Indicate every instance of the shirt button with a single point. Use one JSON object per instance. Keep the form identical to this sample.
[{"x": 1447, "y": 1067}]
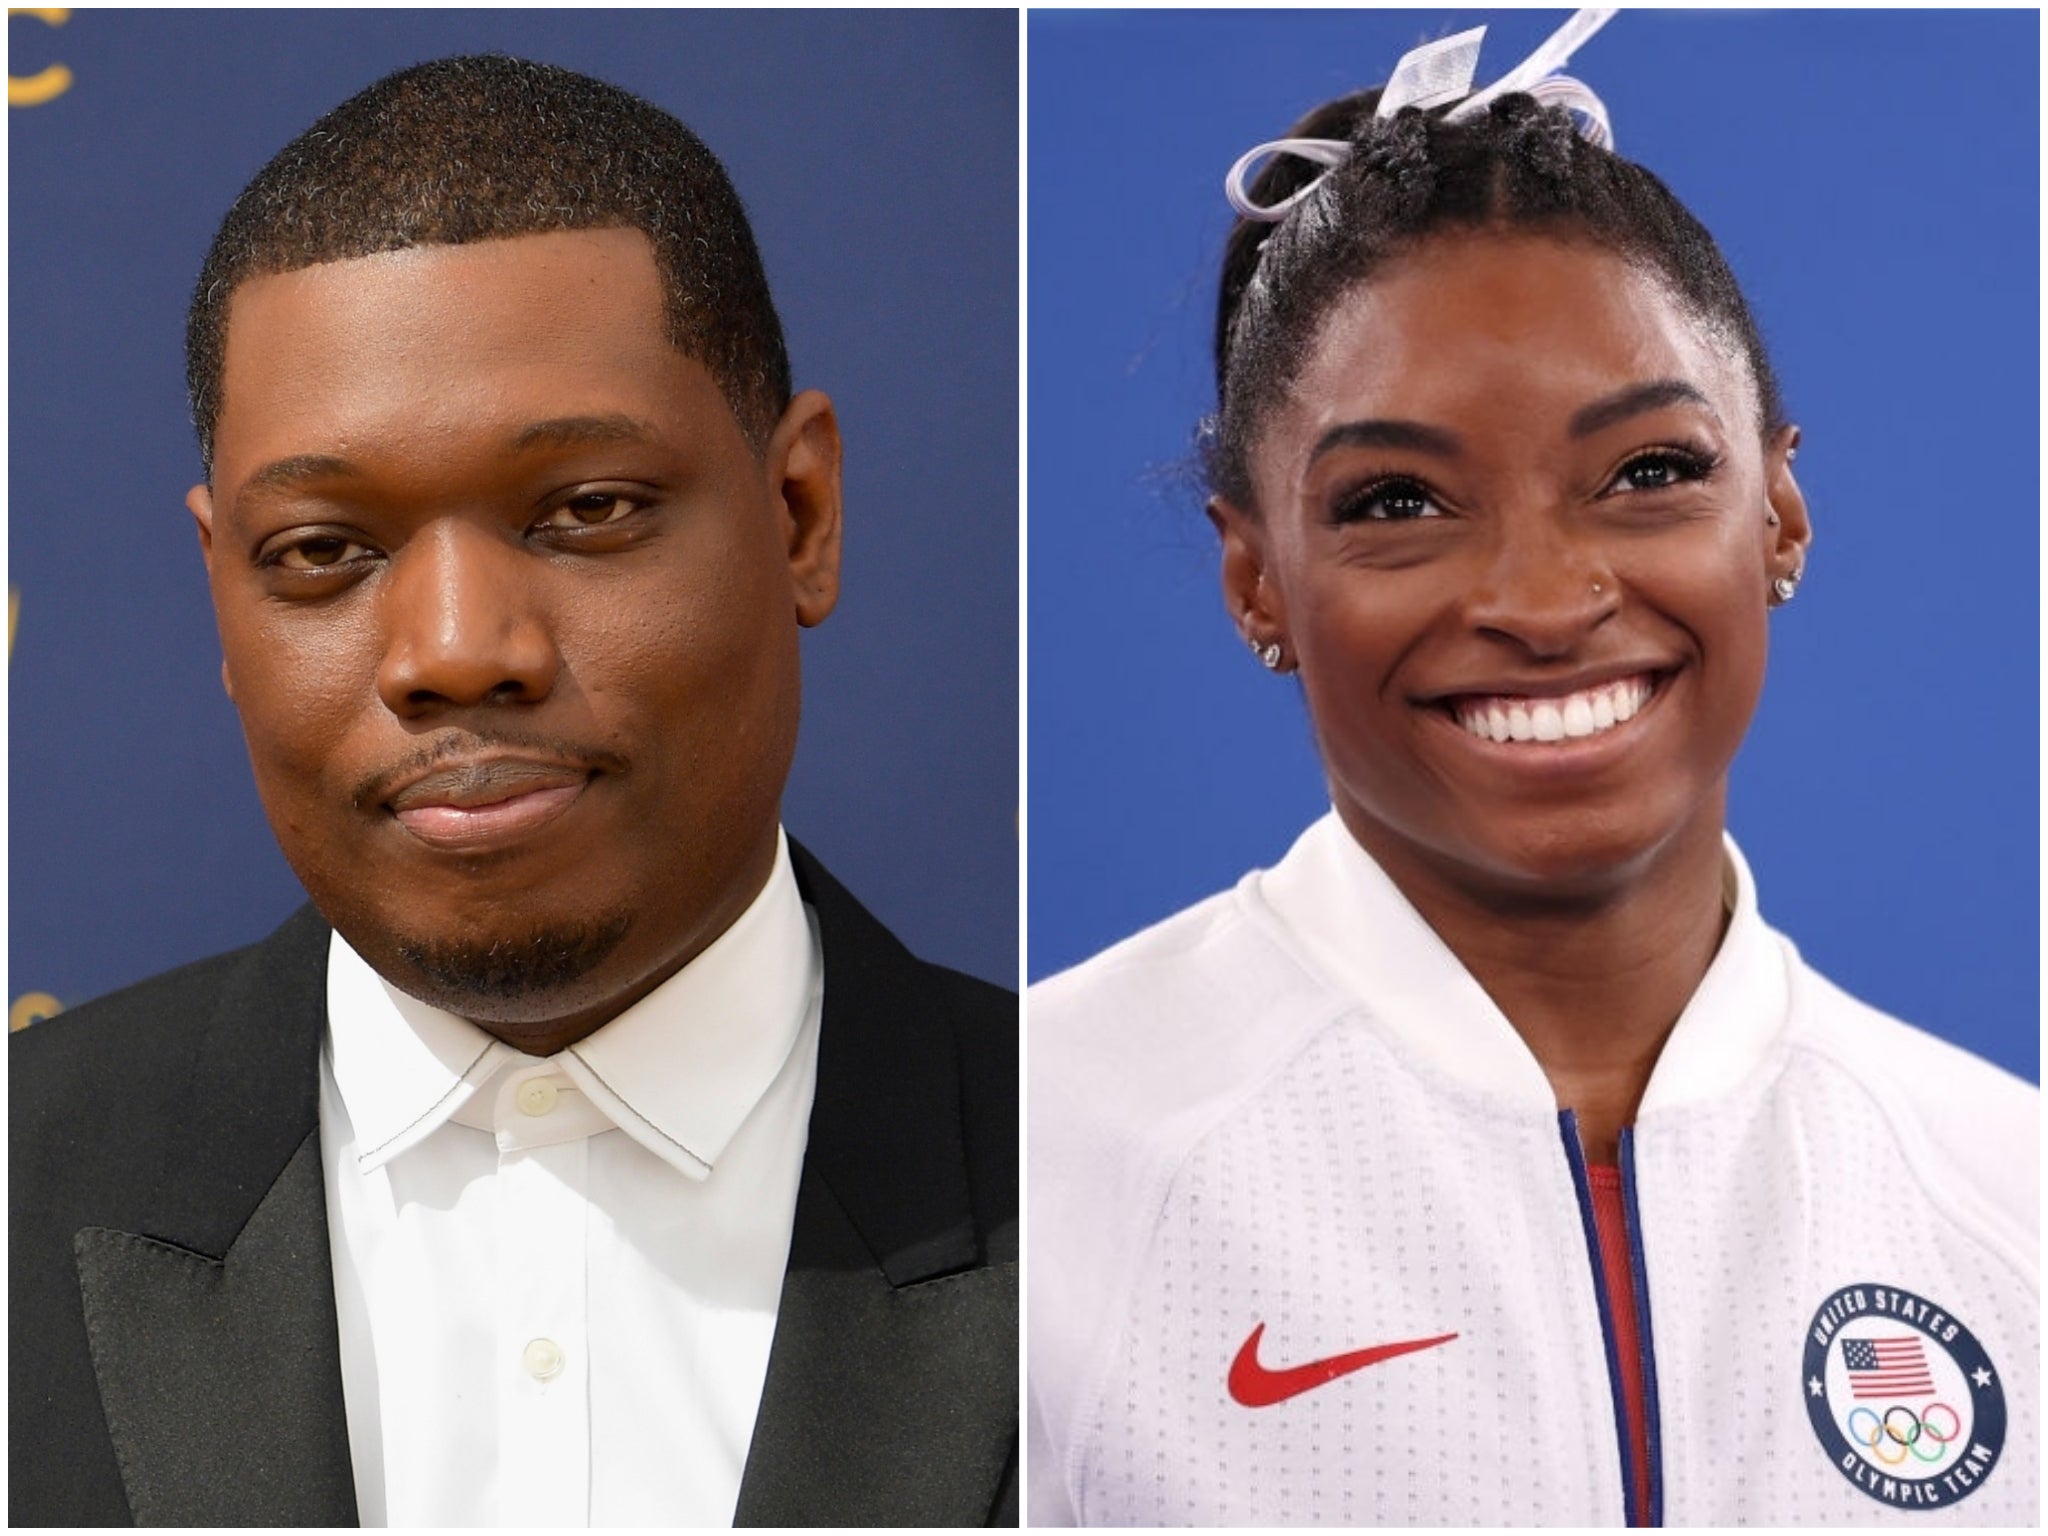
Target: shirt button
[
  {"x": 535, "y": 1096},
  {"x": 543, "y": 1359}
]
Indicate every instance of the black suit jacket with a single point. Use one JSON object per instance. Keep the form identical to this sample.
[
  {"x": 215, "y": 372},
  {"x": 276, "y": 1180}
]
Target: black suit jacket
[{"x": 174, "y": 1357}]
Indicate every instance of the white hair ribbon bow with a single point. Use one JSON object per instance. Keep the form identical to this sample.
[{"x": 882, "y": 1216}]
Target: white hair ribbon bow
[{"x": 1431, "y": 75}]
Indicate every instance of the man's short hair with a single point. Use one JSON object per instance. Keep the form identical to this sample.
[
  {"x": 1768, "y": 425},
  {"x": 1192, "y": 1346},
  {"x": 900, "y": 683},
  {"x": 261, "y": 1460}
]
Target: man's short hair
[{"x": 486, "y": 147}]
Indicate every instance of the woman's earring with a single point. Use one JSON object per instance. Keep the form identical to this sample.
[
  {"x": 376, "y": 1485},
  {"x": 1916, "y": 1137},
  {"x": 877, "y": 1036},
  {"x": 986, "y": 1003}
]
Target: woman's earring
[
  {"x": 1268, "y": 652},
  {"x": 1786, "y": 587}
]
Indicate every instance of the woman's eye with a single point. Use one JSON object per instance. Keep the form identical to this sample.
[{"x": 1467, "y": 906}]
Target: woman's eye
[
  {"x": 321, "y": 552},
  {"x": 1660, "y": 471},
  {"x": 593, "y": 510},
  {"x": 1387, "y": 501}
]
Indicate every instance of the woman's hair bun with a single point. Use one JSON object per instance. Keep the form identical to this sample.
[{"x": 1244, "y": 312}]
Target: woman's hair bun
[
  {"x": 1539, "y": 137},
  {"x": 1397, "y": 149},
  {"x": 1342, "y": 120}
]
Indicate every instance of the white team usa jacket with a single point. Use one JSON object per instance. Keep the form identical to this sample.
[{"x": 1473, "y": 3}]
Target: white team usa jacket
[{"x": 1310, "y": 1241}]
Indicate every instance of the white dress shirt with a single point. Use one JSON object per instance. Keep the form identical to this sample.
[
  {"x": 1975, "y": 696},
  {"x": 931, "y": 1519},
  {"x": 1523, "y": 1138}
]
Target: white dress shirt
[{"x": 556, "y": 1279}]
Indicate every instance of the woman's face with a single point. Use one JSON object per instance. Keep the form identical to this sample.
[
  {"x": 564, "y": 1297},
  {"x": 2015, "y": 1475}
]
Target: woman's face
[{"x": 1517, "y": 492}]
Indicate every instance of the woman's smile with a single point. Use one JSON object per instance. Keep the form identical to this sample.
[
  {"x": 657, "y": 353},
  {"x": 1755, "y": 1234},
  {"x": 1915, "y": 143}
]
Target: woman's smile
[
  {"x": 1568, "y": 717},
  {"x": 1522, "y": 567},
  {"x": 1553, "y": 714},
  {"x": 1561, "y": 737}
]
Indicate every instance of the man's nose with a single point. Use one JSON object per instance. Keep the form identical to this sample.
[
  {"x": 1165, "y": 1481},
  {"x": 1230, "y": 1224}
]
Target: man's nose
[
  {"x": 463, "y": 623},
  {"x": 1543, "y": 585}
]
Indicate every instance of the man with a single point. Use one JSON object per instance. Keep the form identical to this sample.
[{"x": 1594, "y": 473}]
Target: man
[{"x": 604, "y": 1162}]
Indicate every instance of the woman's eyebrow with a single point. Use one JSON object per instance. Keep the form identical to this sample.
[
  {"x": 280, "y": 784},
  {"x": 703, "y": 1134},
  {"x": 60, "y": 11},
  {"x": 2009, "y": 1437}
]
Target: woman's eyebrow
[
  {"x": 1389, "y": 434},
  {"x": 1634, "y": 401}
]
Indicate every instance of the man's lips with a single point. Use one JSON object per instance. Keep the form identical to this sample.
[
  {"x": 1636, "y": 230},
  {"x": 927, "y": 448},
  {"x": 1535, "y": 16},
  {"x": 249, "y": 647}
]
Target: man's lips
[{"x": 469, "y": 805}]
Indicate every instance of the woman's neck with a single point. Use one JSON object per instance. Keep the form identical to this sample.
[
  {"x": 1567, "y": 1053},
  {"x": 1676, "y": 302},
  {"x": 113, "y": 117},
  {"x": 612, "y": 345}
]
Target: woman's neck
[{"x": 1593, "y": 984}]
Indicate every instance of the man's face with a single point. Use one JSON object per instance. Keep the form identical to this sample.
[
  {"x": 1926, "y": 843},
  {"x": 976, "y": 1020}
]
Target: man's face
[{"x": 509, "y": 606}]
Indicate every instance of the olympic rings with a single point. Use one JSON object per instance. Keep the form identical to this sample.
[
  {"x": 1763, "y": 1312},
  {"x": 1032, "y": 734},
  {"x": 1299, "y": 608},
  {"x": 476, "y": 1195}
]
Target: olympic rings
[
  {"x": 1893, "y": 1433},
  {"x": 1883, "y": 1433},
  {"x": 1955, "y": 1422},
  {"x": 1876, "y": 1449}
]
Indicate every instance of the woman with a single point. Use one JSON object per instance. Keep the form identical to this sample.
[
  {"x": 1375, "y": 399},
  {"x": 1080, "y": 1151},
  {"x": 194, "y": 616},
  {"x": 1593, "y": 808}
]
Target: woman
[{"x": 1488, "y": 1160}]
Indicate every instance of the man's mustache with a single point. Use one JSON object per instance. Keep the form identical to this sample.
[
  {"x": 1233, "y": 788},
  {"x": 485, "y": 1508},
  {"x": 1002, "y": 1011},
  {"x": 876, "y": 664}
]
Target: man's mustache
[{"x": 381, "y": 785}]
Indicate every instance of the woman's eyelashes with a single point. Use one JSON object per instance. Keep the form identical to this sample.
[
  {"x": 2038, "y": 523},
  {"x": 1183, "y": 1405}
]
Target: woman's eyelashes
[
  {"x": 1404, "y": 498},
  {"x": 1389, "y": 499},
  {"x": 1661, "y": 468}
]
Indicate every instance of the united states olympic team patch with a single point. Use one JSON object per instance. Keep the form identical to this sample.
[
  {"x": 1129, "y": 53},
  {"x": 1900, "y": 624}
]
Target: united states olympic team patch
[{"x": 1905, "y": 1401}]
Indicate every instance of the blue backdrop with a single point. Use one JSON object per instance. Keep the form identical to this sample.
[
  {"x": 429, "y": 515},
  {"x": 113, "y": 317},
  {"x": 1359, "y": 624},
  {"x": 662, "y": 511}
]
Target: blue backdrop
[
  {"x": 877, "y": 153},
  {"x": 1873, "y": 178}
]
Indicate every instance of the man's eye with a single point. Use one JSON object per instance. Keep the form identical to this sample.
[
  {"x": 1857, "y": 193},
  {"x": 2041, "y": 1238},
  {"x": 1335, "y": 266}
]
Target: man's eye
[
  {"x": 1387, "y": 501},
  {"x": 321, "y": 552},
  {"x": 590, "y": 511}
]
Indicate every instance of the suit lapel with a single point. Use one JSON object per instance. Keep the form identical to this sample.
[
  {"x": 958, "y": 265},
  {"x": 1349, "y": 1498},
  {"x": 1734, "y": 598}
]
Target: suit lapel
[
  {"x": 884, "y": 1405},
  {"x": 219, "y": 1377},
  {"x": 212, "y": 1328},
  {"x": 891, "y": 1394}
]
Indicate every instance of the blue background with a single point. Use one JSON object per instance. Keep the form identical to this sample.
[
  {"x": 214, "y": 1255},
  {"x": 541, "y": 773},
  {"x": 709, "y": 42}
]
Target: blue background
[
  {"x": 877, "y": 153},
  {"x": 1873, "y": 179}
]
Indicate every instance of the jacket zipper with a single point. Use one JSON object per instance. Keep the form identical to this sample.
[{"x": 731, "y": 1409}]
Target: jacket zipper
[{"x": 1575, "y": 1157}]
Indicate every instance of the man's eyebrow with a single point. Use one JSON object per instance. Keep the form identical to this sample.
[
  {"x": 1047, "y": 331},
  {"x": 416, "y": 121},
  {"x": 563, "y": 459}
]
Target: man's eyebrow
[
  {"x": 301, "y": 468},
  {"x": 1634, "y": 401},
  {"x": 1388, "y": 434},
  {"x": 581, "y": 431}
]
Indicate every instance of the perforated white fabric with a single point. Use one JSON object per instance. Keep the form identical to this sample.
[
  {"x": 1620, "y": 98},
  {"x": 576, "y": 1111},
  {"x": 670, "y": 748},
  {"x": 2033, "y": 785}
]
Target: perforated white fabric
[{"x": 1230, "y": 1127}]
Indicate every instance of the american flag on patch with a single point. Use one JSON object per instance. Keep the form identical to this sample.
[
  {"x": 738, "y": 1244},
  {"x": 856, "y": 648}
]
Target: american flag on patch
[{"x": 1893, "y": 1368}]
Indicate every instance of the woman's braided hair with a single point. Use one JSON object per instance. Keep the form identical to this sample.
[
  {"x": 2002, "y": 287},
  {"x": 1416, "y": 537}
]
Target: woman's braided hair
[{"x": 1517, "y": 165}]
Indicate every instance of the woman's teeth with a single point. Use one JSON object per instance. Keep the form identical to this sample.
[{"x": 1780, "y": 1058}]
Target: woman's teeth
[{"x": 1576, "y": 715}]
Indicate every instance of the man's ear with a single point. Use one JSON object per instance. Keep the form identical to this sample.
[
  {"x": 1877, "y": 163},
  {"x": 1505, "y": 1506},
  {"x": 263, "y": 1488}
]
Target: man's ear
[
  {"x": 803, "y": 477},
  {"x": 199, "y": 502},
  {"x": 1255, "y": 604}
]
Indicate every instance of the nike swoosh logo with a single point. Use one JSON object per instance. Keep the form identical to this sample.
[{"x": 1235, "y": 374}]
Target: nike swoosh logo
[{"x": 1256, "y": 1387}]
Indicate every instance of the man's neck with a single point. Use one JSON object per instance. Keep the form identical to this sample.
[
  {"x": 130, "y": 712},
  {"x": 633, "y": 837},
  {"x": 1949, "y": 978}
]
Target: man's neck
[{"x": 557, "y": 1032}]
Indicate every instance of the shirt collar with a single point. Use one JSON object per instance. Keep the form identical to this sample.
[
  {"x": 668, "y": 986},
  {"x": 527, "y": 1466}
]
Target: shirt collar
[
  {"x": 679, "y": 1071},
  {"x": 1348, "y": 921}
]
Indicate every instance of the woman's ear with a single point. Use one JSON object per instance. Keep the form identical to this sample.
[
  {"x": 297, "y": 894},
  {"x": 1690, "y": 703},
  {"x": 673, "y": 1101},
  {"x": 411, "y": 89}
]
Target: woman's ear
[
  {"x": 1256, "y": 606},
  {"x": 1790, "y": 528},
  {"x": 1244, "y": 559}
]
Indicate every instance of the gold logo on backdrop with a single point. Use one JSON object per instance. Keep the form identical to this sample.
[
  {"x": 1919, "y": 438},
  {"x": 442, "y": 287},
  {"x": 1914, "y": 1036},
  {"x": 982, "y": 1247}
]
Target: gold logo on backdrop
[
  {"x": 45, "y": 84},
  {"x": 31, "y": 1008},
  {"x": 33, "y": 91}
]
